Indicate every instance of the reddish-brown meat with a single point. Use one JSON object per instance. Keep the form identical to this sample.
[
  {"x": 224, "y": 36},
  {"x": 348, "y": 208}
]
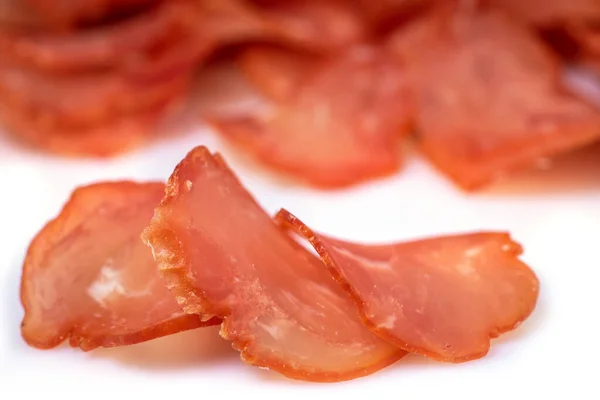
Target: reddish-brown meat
[
  {"x": 128, "y": 45},
  {"x": 276, "y": 73},
  {"x": 488, "y": 97},
  {"x": 548, "y": 12},
  {"x": 340, "y": 127},
  {"x": 89, "y": 278},
  {"x": 222, "y": 255},
  {"x": 101, "y": 140},
  {"x": 442, "y": 297},
  {"x": 67, "y": 13},
  {"x": 16, "y": 14},
  {"x": 83, "y": 100}
]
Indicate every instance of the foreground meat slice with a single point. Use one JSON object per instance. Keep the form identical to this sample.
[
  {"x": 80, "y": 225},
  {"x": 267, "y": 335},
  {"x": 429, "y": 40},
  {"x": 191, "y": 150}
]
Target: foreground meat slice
[
  {"x": 488, "y": 97},
  {"x": 341, "y": 126},
  {"x": 222, "y": 255},
  {"x": 89, "y": 278},
  {"x": 442, "y": 297}
]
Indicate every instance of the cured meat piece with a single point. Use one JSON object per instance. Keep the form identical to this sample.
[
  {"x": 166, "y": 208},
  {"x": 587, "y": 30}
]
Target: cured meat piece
[
  {"x": 276, "y": 73},
  {"x": 341, "y": 127},
  {"x": 488, "y": 97},
  {"x": 85, "y": 99},
  {"x": 588, "y": 36},
  {"x": 104, "y": 140},
  {"x": 88, "y": 277},
  {"x": 316, "y": 25},
  {"x": 222, "y": 255},
  {"x": 128, "y": 44},
  {"x": 442, "y": 297},
  {"x": 383, "y": 13},
  {"x": 15, "y": 14},
  {"x": 544, "y": 12},
  {"x": 66, "y": 13}
]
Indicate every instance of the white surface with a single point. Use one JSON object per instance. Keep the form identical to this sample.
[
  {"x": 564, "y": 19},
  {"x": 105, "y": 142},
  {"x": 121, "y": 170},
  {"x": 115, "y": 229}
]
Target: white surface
[{"x": 555, "y": 214}]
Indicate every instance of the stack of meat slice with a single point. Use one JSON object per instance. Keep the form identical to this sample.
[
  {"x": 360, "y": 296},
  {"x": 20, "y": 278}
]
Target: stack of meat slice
[
  {"x": 216, "y": 257},
  {"x": 347, "y": 82},
  {"x": 94, "y": 77},
  {"x": 480, "y": 89}
]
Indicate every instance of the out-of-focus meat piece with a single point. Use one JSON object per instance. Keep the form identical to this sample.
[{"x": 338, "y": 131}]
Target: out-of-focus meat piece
[
  {"x": 342, "y": 126},
  {"x": 106, "y": 139},
  {"x": 15, "y": 14},
  {"x": 66, "y": 13},
  {"x": 384, "y": 12},
  {"x": 128, "y": 44},
  {"x": 85, "y": 99},
  {"x": 88, "y": 277},
  {"x": 442, "y": 297},
  {"x": 548, "y": 12},
  {"x": 316, "y": 25},
  {"x": 276, "y": 73},
  {"x": 222, "y": 255},
  {"x": 488, "y": 97},
  {"x": 587, "y": 35}
]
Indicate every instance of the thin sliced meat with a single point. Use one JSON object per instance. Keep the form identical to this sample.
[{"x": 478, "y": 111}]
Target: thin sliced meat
[
  {"x": 127, "y": 44},
  {"x": 588, "y": 36},
  {"x": 489, "y": 98},
  {"x": 316, "y": 25},
  {"x": 15, "y": 14},
  {"x": 548, "y": 12},
  {"x": 276, "y": 73},
  {"x": 442, "y": 297},
  {"x": 222, "y": 255},
  {"x": 108, "y": 139},
  {"x": 85, "y": 99},
  {"x": 383, "y": 13},
  {"x": 342, "y": 126},
  {"x": 88, "y": 277},
  {"x": 67, "y": 13}
]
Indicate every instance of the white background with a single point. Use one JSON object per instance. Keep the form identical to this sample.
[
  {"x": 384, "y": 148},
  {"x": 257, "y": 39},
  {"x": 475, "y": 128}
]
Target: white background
[{"x": 555, "y": 214}]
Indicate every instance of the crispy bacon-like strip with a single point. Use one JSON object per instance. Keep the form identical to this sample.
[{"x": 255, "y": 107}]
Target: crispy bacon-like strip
[
  {"x": 222, "y": 255},
  {"x": 442, "y": 297},
  {"x": 88, "y": 277}
]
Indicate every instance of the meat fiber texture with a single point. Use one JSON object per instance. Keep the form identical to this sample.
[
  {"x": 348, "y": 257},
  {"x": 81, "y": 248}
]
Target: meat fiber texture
[{"x": 126, "y": 262}]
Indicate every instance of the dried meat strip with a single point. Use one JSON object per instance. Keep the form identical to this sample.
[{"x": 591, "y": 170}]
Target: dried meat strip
[
  {"x": 88, "y": 277},
  {"x": 341, "y": 126},
  {"x": 488, "y": 96},
  {"x": 222, "y": 255},
  {"x": 442, "y": 297}
]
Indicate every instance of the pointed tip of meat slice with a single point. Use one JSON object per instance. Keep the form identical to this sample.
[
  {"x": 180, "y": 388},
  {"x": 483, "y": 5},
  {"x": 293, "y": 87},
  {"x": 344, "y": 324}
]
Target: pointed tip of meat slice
[
  {"x": 89, "y": 279},
  {"x": 221, "y": 254},
  {"x": 442, "y": 297}
]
